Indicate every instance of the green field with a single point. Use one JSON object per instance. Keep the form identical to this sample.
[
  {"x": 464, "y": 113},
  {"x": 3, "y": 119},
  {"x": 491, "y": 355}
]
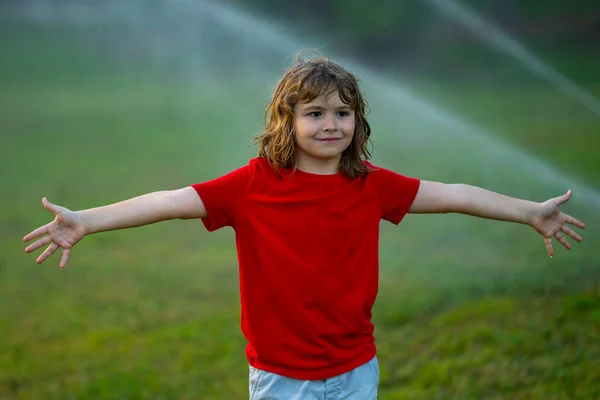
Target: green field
[{"x": 468, "y": 308}]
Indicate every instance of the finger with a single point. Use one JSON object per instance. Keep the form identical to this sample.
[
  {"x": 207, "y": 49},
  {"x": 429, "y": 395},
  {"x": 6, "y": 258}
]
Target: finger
[
  {"x": 53, "y": 208},
  {"x": 555, "y": 229},
  {"x": 571, "y": 233},
  {"x": 42, "y": 230},
  {"x": 563, "y": 241},
  {"x": 564, "y": 198},
  {"x": 549, "y": 246},
  {"x": 65, "y": 258},
  {"x": 47, "y": 253},
  {"x": 575, "y": 222},
  {"x": 43, "y": 241}
]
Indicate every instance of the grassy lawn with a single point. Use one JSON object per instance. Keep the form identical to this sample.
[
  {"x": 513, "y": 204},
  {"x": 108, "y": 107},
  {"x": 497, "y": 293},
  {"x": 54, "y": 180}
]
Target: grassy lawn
[{"x": 468, "y": 308}]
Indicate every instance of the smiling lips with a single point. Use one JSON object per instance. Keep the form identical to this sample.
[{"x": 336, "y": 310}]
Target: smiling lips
[{"x": 332, "y": 139}]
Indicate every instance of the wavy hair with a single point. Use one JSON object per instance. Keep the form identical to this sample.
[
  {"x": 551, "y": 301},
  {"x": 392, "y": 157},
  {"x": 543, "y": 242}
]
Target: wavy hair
[{"x": 304, "y": 81}]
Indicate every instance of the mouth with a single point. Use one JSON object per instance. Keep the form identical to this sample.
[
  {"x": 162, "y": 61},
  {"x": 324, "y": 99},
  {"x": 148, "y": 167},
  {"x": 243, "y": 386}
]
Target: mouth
[{"x": 329, "y": 139}]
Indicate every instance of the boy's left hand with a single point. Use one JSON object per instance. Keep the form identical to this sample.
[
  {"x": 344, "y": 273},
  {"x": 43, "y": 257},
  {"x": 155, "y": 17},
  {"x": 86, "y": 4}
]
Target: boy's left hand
[{"x": 550, "y": 222}]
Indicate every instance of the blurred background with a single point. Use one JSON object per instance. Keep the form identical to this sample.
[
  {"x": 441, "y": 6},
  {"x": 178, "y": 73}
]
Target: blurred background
[{"x": 103, "y": 101}]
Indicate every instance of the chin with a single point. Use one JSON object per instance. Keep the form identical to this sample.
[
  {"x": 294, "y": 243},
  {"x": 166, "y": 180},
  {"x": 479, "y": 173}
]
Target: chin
[
  {"x": 335, "y": 152},
  {"x": 326, "y": 155}
]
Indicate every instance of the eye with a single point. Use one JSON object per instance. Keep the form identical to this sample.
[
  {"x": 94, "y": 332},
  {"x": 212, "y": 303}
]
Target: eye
[
  {"x": 343, "y": 113},
  {"x": 315, "y": 114}
]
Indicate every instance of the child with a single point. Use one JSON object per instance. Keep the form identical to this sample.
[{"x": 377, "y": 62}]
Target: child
[{"x": 306, "y": 214}]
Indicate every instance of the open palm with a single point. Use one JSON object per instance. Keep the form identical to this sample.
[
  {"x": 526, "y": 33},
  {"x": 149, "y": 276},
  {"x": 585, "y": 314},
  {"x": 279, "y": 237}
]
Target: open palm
[
  {"x": 65, "y": 231},
  {"x": 550, "y": 222}
]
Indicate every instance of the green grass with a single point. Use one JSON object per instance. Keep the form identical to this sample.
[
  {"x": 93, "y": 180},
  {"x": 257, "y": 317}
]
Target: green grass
[{"x": 468, "y": 308}]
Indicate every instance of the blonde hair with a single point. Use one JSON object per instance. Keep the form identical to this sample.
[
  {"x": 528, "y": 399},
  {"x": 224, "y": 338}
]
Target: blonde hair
[{"x": 304, "y": 81}]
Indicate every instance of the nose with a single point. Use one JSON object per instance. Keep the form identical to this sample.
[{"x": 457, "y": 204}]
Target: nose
[{"x": 329, "y": 124}]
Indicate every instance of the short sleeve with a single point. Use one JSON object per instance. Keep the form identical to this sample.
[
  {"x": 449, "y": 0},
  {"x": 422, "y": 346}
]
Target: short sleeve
[
  {"x": 396, "y": 194},
  {"x": 222, "y": 197}
]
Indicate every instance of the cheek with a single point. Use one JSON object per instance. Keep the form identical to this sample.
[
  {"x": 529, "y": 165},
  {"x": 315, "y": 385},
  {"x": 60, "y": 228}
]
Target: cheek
[
  {"x": 350, "y": 127},
  {"x": 303, "y": 130}
]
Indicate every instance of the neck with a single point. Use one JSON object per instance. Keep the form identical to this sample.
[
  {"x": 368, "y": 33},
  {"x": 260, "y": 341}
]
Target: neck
[{"x": 315, "y": 166}]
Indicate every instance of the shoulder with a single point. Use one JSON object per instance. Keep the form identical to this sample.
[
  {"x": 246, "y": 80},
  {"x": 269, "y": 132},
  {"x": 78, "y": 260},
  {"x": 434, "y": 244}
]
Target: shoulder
[
  {"x": 260, "y": 169},
  {"x": 383, "y": 175},
  {"x": 375, "y": 171},
  {"x": 259, "y": 163},
  {"x": 372, "y": 167},
  {"x": 260, "y": 166}
]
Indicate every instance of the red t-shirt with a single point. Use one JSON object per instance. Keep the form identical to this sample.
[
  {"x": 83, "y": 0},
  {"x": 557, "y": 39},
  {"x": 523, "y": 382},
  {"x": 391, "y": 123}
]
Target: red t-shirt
[{"x": 308, "y": 261}]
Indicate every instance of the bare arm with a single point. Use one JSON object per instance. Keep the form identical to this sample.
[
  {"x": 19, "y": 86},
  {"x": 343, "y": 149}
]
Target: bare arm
[
  {"x": 545, "y": 218},
  {"x": 435, "y": 197},
  {"x": 143, "y": 210},
  {"x": 69, "y": 227}
]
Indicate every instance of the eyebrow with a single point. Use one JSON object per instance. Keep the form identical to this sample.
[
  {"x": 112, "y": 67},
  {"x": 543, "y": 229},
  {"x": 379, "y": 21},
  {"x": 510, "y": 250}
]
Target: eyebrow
[{"x": 320, "y": 108}]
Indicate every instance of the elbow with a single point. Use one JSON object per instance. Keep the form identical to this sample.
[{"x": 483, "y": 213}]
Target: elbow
[{"x": 457, "y": 200}]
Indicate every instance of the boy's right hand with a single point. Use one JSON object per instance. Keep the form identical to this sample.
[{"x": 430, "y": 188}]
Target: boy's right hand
[{"x": 65, "y": 231}]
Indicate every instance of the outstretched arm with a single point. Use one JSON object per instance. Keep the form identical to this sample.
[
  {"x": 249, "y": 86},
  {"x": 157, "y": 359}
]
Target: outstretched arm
[
  {"x": 143, "y": 210},
  {"x": 545, "y": 218},
  {"x": 69, "y": 227}
]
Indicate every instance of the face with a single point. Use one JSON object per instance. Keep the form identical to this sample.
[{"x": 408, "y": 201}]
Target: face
[{"x": 324, "y": 129}]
